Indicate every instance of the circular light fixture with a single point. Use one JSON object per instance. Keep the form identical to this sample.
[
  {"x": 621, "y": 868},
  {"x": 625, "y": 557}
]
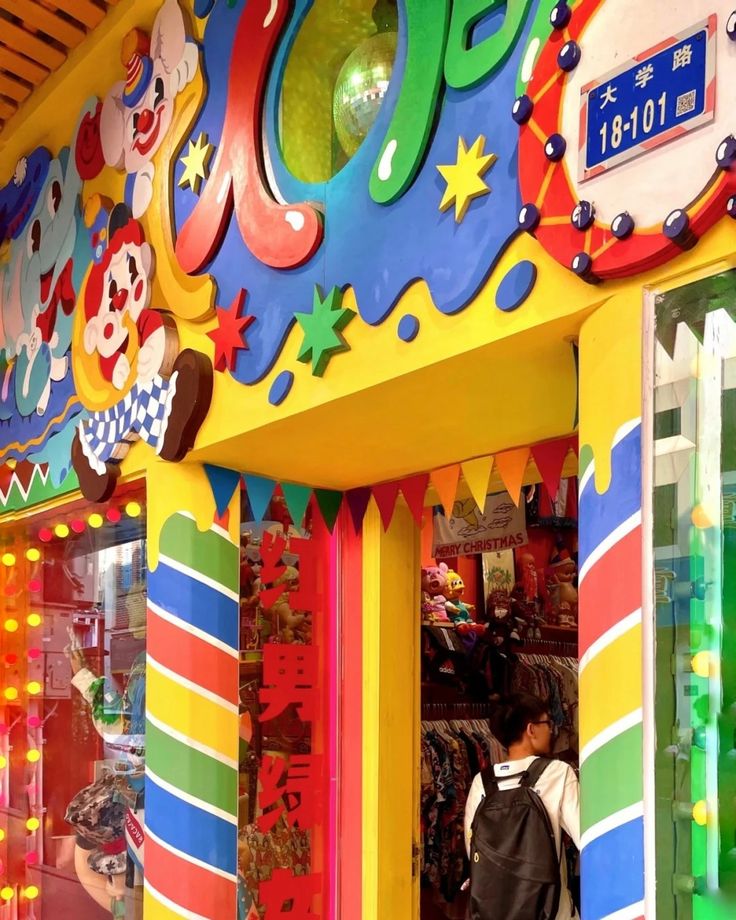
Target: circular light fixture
[
  {"x": 33, "y": 824},
  {"x": 33, "y": 687},
  {"x": 34, "y": 722},
  {"x": 95, "y": 520},
  {"x": 7, "y": 893},
  {"x": 34, "y": 653},
  {"x": 45, "y": 535},
  {"x": 11, "y": 625},
  {"x": 31, "y": 892},
  {"x": 133, "y": 509},
  {"x": 33, "y": 755},
  {"x": 701, "y": 664},
  {"x": 113, "y": 515},
  {"x": 33, "y": 554},
  {"x": 34, "y": 619},
  {"x": 34, "y": 585},
  {"x": 11, "y": 693},
  {"x": 78, "y": 525},
  {"x": 61, "y": 531},
  {"x": 700, "y": 813},
  {"x": 11, "y": 658},
  {"x": 8, "y": 559},
  {"x": 3, "y": 762}
]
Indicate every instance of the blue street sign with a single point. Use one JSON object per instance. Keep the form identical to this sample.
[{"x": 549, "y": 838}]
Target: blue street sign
[{"x": 650, "y": 100}]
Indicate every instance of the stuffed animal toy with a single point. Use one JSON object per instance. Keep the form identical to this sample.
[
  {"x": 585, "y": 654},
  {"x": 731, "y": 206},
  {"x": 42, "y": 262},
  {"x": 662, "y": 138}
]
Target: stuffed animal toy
[
  {"x": 434, "y": 583},
  {"x": 455, "y": 607}
]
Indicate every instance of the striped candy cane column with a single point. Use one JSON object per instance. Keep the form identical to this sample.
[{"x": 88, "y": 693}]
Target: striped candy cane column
[
  {"x": 192, "y": 725},
  {"x": 610, "y": 580}
]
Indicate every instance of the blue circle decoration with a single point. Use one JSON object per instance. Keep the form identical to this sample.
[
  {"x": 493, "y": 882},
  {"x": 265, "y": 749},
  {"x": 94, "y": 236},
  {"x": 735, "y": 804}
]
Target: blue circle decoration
[
  {"x": 560, "y": 16},
  {"x": 408, "y": 328},
  {"x": 569, "y": 56},
  {"x": 726, "y": 152},
  {"x": 516, "y": 285},
  {"x": 582, "y": 265},
  {"x": 731, "y": 207},
  {"x": 676, "y": 225},
  {"x": 583, "y": 215},
  {"x": 280, "y": 388},
  {"x": 529, "y": 217},
  {"x": 622, "y": 226},
  {"x": 555, "y": 147},
  {"x": 522, "y": 110},
  {"x": 731, "y": 26}
]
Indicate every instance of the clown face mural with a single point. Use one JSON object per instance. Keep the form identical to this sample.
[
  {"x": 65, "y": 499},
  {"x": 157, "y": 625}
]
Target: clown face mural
[
  {"x": 137, "y": 113},
  {"x": 38, "y": 282},
  {"x": 134, "y": 351}
]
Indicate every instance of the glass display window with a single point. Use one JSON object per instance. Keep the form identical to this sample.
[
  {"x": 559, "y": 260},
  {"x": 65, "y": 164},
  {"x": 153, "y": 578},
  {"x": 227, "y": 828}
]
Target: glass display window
[
  {"x": 694, "y": 588},
  {"x": 72, "y": 730}
]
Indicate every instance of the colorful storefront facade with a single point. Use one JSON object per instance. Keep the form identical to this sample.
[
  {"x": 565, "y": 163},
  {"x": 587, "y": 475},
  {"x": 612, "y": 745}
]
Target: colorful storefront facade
[{"x": 275, "y": 280}]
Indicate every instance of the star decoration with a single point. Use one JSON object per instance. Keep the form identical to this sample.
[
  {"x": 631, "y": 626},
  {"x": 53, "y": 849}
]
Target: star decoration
[
  {"x": 229, "y": 337},
  {"x": 323, "y": 330},
  {"x": 196, "y": 163},
  {"x": 464, "y": 182}
]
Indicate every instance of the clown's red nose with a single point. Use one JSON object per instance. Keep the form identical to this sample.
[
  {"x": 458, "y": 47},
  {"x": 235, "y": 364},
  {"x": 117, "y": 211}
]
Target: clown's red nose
[
  {"x": 145, "y": 121},
  {"x": 119, "y": 298}
]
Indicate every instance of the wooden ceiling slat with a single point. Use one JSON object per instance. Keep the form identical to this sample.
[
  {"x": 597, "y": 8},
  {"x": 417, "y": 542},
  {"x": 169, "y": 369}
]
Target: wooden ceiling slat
[
  {"x": 19, "y": 40},
  {"x": 7, "y": 109},
  {"x": 82, "y": 10},
  {"x": 14, "y": 89},
  {"x": 22, "y": 67},
  {"x": 38, "y": 17}
]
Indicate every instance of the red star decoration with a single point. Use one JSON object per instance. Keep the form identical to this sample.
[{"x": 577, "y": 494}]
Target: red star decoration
[{"x": 229, "y": 337}]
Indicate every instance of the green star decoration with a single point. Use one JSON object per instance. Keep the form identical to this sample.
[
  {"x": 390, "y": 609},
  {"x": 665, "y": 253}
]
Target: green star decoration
[{"x": 322, "y": 330}]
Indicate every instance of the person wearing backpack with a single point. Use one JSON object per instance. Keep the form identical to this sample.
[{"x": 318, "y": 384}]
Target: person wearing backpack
[{"x": 514, "y": 818}]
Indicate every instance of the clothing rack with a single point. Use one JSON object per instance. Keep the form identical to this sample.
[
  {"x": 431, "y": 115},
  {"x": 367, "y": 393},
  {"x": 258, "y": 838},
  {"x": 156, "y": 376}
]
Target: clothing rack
[
  {"x": 556, "y": 647},
  {"x": 436, "y": 711}
]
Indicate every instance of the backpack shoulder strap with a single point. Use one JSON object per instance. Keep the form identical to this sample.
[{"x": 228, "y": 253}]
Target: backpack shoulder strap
[
  {"x": 534, "y": 772},
  {"x": 490, "y": 783}
]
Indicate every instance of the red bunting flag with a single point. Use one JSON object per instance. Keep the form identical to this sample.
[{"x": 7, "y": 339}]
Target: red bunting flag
[
  {"x": 550, "y": 459},
  {"x": 385, "y": 494},
  {"x": 414, "y": 490}
]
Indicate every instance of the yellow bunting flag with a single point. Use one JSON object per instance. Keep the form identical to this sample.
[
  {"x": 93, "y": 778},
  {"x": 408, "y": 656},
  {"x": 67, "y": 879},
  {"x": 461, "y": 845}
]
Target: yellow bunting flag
[
  {"x": 445, "y": 482},
  {"x": 476, "y": 474},
  {"x": 511, "y": 466}
]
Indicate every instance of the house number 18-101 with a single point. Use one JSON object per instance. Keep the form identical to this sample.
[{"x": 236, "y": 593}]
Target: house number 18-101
[{"x": 617, "y": 127}]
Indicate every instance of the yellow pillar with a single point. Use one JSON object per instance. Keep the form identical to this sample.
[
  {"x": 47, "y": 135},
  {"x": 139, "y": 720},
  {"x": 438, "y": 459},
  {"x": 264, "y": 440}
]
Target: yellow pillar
[{"x": 391, "y": 712}]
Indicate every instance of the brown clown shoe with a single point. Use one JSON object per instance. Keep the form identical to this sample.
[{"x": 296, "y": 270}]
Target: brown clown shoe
[
  {"x": 192, "y": 381},
  {"x": 95, "y": 486}
]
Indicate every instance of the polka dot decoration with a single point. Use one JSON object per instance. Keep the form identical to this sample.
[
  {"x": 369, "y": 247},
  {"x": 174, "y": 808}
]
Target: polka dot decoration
[
  {"x": 280, "y": 388},
  {"x": 408, "y": 328},
  {"x": 516, "y": 286}
]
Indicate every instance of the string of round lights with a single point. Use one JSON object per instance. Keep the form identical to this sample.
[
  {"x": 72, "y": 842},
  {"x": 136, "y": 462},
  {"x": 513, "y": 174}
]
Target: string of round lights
[{"x": 22, "y": 687}]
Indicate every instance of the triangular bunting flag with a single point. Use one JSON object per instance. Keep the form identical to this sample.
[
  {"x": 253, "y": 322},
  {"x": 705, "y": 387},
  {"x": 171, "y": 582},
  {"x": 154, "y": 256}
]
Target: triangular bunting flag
[
  {"x": 414, "y": 489},
  {"x": 385, "y": 495},
  {"x": 476, "y": 474},
  {"x": 574, "y": 445},
  {"x": 358, "y": 504},
  {"x": 445, "y": 481},
  {"x": 297, "y": 499},
  {"x": 511, "y": 466},
  {"x": 550, "y": 458},
  {"x": 329, "y": 505},
  {"x": 223, "y": 483},
  {"x": 260, "y": 493}
]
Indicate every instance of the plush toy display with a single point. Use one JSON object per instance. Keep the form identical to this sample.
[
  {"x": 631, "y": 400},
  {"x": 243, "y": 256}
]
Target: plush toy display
[
  {"x": 457, "y": 610},
  {"x": 561, "y": 577},
  {"x": 434, "y": 585}
]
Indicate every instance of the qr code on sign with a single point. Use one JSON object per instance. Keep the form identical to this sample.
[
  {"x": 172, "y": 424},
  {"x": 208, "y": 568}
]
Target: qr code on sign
[{"x": 685, "y": 103}]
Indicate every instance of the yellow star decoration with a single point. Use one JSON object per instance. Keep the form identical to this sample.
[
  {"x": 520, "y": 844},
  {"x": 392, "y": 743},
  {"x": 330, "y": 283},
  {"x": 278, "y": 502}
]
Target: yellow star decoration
[
  {"x": 464, "y": 182},
  {"x": 196, "y": 163}
]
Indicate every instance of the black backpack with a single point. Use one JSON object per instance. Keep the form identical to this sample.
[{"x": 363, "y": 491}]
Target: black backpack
[{"x": 514, "y": 868}]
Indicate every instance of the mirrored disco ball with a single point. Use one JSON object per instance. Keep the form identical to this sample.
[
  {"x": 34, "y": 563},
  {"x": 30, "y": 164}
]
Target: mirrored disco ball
[{"x": 361, "y": 85}]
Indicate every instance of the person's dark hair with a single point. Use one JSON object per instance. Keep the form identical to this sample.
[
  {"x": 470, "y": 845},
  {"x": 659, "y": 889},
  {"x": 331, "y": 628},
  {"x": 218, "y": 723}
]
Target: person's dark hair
[{"x": 513, "y": 714}]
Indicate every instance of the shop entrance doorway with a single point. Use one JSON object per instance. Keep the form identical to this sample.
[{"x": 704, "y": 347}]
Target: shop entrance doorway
[{"x": 499, "y": 615}]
